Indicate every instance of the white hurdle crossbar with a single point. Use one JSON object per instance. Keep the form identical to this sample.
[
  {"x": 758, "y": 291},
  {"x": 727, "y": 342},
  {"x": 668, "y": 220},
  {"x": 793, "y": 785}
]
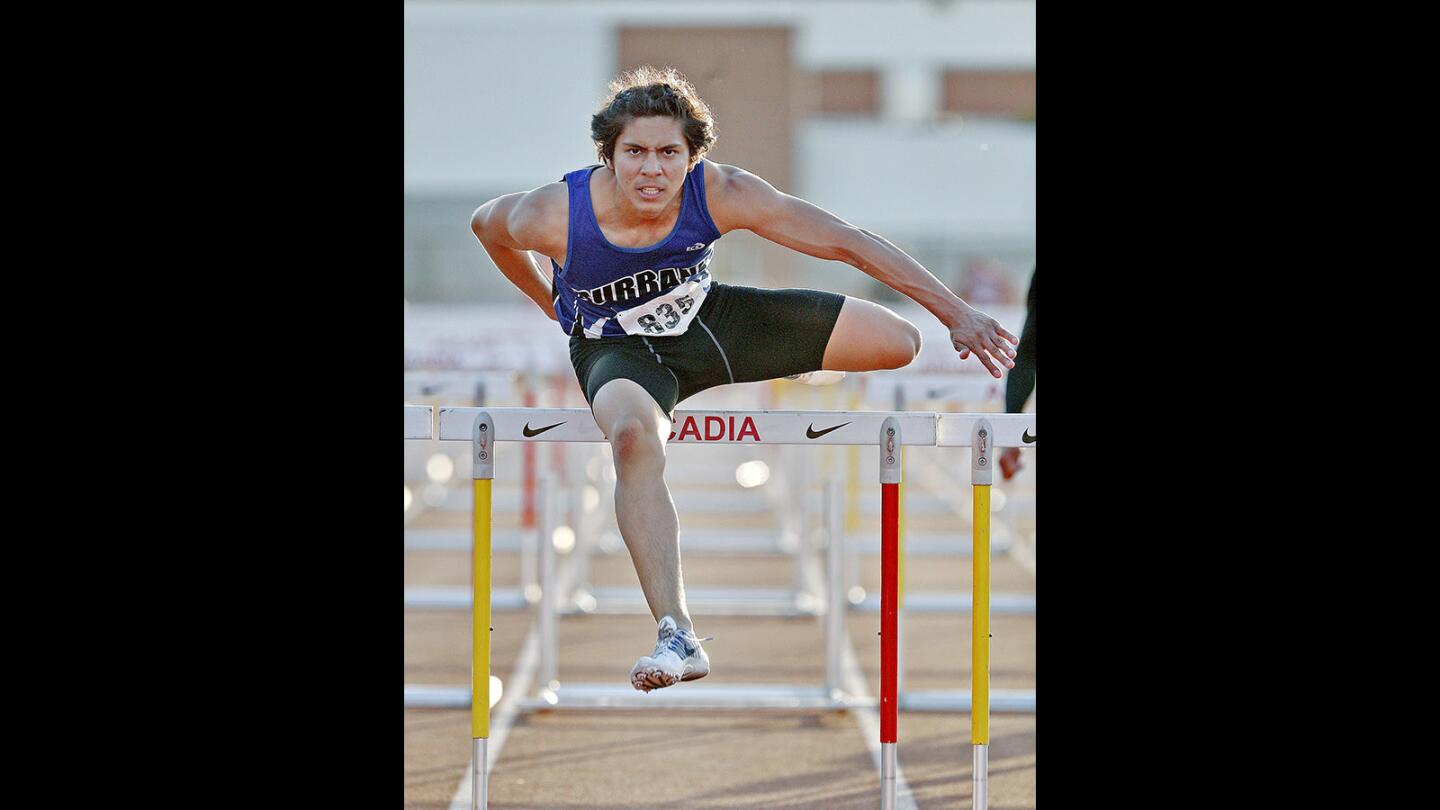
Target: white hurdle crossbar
[
  {"x": 419, "y": 422},
  {"x": 726, "y": 427}
]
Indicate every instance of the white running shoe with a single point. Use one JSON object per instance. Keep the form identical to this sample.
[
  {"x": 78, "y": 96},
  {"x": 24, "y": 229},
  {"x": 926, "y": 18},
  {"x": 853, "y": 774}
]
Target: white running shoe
[
  {"x": 818, "y": 377},
  {"x": 678, "y": 657}
]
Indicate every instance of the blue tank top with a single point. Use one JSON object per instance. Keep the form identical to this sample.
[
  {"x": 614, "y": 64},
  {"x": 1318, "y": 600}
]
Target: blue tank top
[{"x": 609, "y": 291}]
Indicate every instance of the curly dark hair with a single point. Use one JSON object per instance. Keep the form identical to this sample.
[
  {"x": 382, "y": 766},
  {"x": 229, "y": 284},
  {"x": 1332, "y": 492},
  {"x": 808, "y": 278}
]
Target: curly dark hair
[{"x": 647, "y": 91}]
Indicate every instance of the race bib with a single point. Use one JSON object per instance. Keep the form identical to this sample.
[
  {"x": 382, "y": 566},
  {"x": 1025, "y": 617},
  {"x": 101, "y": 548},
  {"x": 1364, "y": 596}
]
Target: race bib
[{"x": 669, "y": 314}]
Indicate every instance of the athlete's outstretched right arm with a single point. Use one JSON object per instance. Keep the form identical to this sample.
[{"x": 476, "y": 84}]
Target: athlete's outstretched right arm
[{"x": 509, "y": 227}]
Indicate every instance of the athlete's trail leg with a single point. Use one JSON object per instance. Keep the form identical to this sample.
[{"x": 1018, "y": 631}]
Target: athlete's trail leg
[{"x": 637, "y": 430}]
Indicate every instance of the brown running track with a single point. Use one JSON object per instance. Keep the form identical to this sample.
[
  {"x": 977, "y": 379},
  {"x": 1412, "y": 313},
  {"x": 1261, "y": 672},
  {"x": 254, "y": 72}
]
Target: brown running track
[{"x": 717, "y": 759}]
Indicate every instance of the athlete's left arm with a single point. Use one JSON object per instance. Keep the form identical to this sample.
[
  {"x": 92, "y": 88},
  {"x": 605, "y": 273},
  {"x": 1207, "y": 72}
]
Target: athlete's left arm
[{"x": 742, "y": 200}]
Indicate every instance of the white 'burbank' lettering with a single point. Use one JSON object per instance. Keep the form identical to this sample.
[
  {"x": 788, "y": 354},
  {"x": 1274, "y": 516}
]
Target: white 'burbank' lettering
[{"x": 641, "y": 284}]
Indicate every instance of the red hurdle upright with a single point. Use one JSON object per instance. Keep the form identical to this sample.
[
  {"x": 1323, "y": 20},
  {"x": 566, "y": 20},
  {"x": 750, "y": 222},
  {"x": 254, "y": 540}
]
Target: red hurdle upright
[{"x": 889, "y": 589}]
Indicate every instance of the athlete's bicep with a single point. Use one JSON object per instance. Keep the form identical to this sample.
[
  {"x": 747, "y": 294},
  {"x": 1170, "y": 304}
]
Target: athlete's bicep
[
  {"x": 491, "y": 222},
  {"x": 808, "y": 228},
  {"x": 797, "y": 224}
]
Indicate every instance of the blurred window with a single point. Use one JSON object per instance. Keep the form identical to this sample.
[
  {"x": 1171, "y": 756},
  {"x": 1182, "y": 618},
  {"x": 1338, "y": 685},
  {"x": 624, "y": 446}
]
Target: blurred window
[
  {"x": 849, "y": 92},
  {"x": 1001, "y": 93}
]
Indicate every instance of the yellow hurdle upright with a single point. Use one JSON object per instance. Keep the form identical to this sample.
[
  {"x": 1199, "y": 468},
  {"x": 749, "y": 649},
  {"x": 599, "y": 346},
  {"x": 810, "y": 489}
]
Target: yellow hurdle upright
[
  {"x": 981, "y": 464},
  {"x": 483, "y": 467}
]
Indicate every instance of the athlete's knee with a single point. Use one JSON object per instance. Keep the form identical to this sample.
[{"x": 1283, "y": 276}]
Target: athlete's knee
[
  {"x": 913, "y": 333},
  {"x": 902, "y": 345},
  {"x": 634, "y": 443}
]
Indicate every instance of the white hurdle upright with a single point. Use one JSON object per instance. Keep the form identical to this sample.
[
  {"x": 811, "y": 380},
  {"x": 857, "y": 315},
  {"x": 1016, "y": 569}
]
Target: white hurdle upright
[{"x": 733, "y": 427}]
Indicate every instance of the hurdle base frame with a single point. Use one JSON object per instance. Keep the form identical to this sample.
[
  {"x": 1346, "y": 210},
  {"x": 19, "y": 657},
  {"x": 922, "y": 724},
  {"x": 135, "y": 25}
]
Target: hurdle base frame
[{"x": 742, "y": 697}]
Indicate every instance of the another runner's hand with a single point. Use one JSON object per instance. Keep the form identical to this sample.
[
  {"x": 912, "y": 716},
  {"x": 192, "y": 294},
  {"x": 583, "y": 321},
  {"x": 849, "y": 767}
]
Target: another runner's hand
[
  {"x": 976, "y": 332},
  {"x": 1010, "y": 462}
]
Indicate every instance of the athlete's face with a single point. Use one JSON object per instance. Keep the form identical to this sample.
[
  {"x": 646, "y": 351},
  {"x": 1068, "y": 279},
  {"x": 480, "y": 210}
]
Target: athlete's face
[{"x": 651, "y": 158}]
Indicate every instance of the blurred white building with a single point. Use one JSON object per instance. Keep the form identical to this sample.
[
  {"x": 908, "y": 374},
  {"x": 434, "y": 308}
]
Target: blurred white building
[{"x": 915, "y": 120}]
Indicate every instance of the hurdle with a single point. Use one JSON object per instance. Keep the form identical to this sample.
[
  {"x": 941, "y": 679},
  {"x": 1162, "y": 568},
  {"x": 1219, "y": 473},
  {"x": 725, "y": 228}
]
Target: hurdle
[
  {"x": 419, "y": 422},
  {"x": 484, "y": 427},
  {"x": 803, "y": 598}
]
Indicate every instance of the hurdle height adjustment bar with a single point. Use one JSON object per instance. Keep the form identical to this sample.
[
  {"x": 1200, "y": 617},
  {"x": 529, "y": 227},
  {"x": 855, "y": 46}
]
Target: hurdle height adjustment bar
[
  {"x": 889, "y": 604},
  {"x": 484, "y": 474},
  {"x": 982, "y": 462}
]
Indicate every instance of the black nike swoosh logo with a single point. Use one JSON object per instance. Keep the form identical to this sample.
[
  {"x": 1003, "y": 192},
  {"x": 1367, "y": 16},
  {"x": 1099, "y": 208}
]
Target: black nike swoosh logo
[
  {"x": 1026, "y": 437},
  {"x": 814, "y": 434},
  {"x": 528, "y": 432}
]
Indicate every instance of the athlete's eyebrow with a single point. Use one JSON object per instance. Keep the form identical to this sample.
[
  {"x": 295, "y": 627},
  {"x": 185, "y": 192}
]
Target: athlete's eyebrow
[{"x": 642, "y": 146}]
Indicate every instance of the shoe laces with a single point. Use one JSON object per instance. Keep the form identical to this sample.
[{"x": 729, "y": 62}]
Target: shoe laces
[{"x": 675, "y": 642}]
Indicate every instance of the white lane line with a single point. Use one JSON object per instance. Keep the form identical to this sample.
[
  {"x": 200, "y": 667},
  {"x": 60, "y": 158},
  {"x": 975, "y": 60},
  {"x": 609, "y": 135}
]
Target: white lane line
[
  {"x": 867, "y": 718},
  {"x": 503, "y": 716}
]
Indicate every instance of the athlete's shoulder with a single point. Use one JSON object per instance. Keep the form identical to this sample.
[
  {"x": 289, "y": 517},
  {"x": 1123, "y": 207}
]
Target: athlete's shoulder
[
  {"x": 733, "y": 180},
  {"x": 731, "y": 193},
  {"x": 718, "y": 175},
  {"x": 546, "y": 197}
]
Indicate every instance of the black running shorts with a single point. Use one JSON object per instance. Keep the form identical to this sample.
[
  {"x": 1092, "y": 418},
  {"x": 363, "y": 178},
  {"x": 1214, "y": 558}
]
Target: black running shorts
[{"x": 741, "y": 334}]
